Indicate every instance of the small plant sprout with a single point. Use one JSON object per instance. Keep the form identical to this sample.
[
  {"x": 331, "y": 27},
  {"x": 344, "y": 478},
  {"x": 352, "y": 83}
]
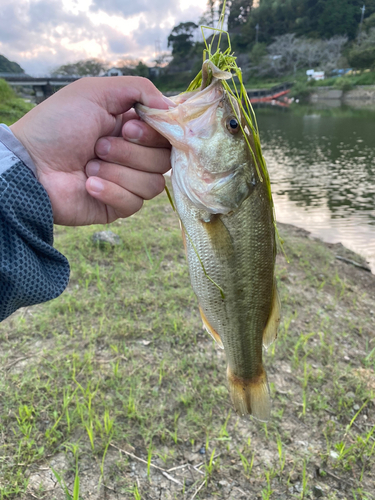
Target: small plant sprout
[
  {"x": 266, "y": 493},
  {"x": 247, "y": 466},
  {"x": 74, "y": 449},
  {"x": 137, "y": 495},
  {"x": 149, "y": 458},
  {"x": 281, "y": 452},
  {"x": 209, "y": 467},
  {"x": 304, "y": 481},
  {"x": 223, "y": 434},
  {"x": 25, "y": 420}
]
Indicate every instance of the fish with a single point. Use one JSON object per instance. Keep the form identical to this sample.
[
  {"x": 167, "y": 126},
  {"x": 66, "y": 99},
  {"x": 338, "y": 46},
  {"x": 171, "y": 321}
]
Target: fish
[{"x": 227, "y": 220}]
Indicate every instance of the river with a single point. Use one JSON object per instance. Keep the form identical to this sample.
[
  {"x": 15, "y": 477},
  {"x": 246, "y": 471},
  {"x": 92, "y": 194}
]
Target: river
[{"x": 322, "y": 169}]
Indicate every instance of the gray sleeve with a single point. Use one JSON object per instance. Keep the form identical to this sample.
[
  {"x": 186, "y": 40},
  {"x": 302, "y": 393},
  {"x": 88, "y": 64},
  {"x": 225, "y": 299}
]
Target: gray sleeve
[
  {"x": 31, "y": 270},
  {"x": 12, "y": 151}
]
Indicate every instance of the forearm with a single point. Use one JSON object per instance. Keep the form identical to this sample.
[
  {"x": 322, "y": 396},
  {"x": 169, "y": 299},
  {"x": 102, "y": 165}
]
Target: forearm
[{"x": 31, "y": 270}]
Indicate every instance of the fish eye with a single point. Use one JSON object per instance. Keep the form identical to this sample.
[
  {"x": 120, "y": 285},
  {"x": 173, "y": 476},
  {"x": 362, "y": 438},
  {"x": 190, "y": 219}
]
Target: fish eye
[{"x": 232, "y": 125}]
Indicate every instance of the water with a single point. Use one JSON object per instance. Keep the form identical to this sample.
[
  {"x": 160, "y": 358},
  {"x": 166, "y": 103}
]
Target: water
[{"x": 322, "y": 170}]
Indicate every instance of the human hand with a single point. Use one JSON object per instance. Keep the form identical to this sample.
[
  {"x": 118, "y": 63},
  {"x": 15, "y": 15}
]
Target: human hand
[{"x": 95, "y": 158}]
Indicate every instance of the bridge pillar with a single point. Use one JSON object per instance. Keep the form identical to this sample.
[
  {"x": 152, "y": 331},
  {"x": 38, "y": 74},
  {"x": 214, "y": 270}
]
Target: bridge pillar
[{"x": 42, "y": 92}]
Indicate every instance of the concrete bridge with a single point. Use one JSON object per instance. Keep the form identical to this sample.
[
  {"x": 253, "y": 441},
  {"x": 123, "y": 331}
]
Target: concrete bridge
[
  {"x": 43, "y": 87},
  {"x": 46, "y": 86}
]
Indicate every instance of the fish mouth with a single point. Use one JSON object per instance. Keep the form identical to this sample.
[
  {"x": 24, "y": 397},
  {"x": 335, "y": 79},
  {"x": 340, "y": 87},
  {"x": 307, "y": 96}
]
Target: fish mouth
[{"x": 173, "y": 123}]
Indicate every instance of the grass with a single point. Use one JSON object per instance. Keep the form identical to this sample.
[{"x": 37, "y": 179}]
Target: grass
[
  {"x": 120, "y": 362},
  {"x": 11, "y": 107}
]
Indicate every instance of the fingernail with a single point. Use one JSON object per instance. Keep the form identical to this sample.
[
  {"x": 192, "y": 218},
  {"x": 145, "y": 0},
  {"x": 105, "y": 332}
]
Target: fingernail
[
  {"x": 96, "y": 185},
  {"x": 168, "y": 101},
  {"x": 103, "y": 146},
  {"x": 132, "y": 130},
  {"x": 92, "y": 168}
]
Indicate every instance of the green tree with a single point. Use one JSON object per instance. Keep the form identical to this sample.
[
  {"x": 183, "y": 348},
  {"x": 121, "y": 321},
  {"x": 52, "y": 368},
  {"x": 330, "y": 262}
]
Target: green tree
[
  {"x": 311, "y": 18},
  {"x": 362, "y": 56},
  {"x": 87, "y": 67},
  {"x": 369, "y": 22},
  {"x": 338, "y": 17},
  {"x": 6, "y": 91},
  {"x": 7, "y": 66},
  {"x": 181, "y": 39},
  {"x": 142, "y": 69}
]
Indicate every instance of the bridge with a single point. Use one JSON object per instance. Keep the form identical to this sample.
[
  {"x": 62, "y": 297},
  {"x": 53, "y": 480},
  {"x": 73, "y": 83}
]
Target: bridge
[
  {"x": 46, "y": 86},
  {"x": 275, "y": 95},
  {"x": 43, "y": 87}
]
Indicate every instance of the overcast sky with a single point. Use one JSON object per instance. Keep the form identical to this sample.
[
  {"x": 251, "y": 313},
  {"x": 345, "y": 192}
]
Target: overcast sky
[{"x": 43, "y": 34}]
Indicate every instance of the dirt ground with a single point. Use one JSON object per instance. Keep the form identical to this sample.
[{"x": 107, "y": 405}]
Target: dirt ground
[{"x": 319, "y": 442}]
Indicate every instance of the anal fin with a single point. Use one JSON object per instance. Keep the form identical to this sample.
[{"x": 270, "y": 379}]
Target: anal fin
[
  {"x": 270, "y": 331},
  {"x": 210, "y": 330}
]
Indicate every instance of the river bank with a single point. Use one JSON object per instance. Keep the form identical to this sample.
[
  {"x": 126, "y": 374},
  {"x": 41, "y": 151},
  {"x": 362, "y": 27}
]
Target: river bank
[
  {"x": 362, "y": 96},
  {"x": 121, "y": 362}
]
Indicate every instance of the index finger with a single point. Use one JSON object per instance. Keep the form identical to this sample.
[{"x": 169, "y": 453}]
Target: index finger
[{"x": 117, "y": 94}]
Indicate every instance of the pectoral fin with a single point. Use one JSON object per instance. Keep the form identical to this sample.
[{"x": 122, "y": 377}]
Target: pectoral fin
[
  {"x": 270, "y": 332},
  {"x": 210, "y": 330}
]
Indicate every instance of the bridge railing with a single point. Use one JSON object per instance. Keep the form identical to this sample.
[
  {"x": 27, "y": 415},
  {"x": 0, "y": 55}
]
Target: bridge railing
[{"x": 269, "y": 92}]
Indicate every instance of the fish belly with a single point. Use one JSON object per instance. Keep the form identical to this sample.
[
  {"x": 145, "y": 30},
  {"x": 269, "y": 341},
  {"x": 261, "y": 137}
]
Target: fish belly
[{"x": 237, "y": 251}]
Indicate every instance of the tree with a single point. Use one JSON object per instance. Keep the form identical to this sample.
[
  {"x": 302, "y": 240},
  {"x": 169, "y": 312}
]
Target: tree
[
  {"x": 162, "y": 59},
  {"x": 362, "y": 56},
  {"x": 87, "y": 67},
  {"x": 7, "y": 66},
  {"x": 338, "y": 17},
  {"x": 181, "y": 39},
  {"x": 239, "y": 11},
  {"x": 142, "y": 69},
  {"x": 311, "y": 18},
  {"x": 289, "y": 53}
]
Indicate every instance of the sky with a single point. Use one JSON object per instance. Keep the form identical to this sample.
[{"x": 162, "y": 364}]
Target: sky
[{"x": 41, "y": 35}]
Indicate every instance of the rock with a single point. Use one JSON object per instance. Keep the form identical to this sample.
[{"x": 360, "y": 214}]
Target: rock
[
  {"x": 333, "y": 455},
  {"x": 191, "y": 457},
  {"x": 298, "y": 487},
  {"x": 350, "y": 395},
  {"x": 202, "y": 451},
  {"x": 293, "y": 476},
  {"x": 356, "y": 407},
  {"x": 106, "y": 238},
  {"x": 223, "y": 483},
  {"x": 317, "y": 491}
]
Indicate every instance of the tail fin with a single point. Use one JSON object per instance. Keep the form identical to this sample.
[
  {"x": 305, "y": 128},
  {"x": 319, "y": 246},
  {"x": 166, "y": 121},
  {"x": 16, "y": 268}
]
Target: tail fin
[{"x": 250, "y": 396}]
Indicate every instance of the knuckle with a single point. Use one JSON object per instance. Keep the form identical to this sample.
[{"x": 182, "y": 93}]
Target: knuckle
[
  {"x": 157, "y": 185},
  {"x": 122, "y": 152},
  {"x": 131, "y": 208}
]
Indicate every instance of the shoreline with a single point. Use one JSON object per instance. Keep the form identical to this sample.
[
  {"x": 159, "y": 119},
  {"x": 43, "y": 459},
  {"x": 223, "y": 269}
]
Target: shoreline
[{"x": 348, "y": 256}]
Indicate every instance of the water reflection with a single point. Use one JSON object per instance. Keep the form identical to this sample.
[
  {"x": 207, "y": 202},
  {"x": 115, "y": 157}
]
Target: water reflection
[{"x": 322, "y": 168}]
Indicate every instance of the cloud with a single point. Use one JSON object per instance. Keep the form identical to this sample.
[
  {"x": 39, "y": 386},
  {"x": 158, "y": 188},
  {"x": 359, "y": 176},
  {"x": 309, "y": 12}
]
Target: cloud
[
  {"x": 131, "y": 8},
  {"x": 43, "y": 34}
]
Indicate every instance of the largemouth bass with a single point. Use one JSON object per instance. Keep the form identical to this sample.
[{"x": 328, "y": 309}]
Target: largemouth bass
[{"x": 228, "y": 230}]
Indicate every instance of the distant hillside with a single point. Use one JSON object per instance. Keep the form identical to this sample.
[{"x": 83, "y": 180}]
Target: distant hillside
[{"x": 7, "y": 66}]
